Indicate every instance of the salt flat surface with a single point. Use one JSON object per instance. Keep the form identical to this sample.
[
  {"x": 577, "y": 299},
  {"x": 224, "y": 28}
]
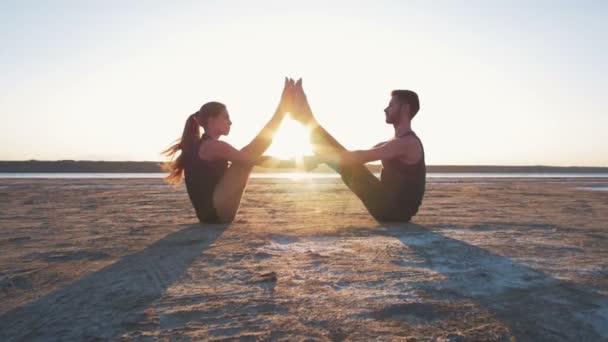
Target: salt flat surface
[{"x": 125, "y": 259}]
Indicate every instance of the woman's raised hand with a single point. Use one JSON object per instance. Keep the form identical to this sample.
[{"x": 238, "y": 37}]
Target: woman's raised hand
[{"x": 287, "y": 97}]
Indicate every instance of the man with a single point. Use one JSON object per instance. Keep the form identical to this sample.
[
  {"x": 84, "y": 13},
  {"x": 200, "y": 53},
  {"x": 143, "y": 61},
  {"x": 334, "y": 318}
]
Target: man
[{"x": 397, "y": 195}]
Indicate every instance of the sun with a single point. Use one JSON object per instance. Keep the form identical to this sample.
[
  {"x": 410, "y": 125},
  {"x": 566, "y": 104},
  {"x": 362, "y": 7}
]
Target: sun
[{"x": 290, "y": 141}]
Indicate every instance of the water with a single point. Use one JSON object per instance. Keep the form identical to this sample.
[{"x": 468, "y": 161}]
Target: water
[
  {"x": 594, "y": 188},
  {"x": 295, "y": 175}
]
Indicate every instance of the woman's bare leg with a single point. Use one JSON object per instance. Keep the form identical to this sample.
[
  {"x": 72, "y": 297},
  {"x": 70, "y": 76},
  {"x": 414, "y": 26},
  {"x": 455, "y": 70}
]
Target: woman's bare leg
[
  {"x": 262, "y": 141},
  {"x": 229, "y": 191}
]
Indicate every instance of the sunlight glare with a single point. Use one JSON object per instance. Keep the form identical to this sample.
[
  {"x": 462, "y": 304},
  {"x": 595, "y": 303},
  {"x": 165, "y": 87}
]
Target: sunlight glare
[{"x": 290, "y": 141}]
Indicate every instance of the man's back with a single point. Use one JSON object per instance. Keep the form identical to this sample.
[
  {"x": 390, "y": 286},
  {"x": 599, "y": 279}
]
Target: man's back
[{"x": 406, "y": 182}]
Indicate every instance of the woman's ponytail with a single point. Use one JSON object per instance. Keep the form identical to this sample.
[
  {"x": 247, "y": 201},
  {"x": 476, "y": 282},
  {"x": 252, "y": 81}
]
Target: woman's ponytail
[{"x": 188, "y": 142}]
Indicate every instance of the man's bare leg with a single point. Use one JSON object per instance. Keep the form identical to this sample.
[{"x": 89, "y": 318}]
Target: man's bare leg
[{"x": 358, "y": 178}]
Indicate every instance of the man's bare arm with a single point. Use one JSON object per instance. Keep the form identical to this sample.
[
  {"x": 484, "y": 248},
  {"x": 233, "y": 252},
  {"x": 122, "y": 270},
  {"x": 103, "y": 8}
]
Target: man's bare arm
[{"x": 390, "y": 150}]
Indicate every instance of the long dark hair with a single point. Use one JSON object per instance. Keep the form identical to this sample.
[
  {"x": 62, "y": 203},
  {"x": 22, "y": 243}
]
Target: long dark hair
[{"x": 189, "y": 141}]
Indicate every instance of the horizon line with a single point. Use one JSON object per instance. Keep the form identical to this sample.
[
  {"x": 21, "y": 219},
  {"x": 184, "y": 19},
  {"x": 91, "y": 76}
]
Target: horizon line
[{"x": 376, "y": 163}]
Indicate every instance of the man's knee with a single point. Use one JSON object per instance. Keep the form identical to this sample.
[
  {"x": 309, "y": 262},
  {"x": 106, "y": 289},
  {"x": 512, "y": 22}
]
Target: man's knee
[{"x": 361, "y": 181}]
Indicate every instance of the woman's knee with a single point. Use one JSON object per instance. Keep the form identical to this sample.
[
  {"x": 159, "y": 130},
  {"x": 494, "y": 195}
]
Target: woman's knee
[{"x": 390, "y": 217}]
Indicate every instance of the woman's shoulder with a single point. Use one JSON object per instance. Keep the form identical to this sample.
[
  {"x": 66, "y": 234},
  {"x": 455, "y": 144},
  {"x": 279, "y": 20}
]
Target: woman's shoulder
[{"x": 213, "y": 149}]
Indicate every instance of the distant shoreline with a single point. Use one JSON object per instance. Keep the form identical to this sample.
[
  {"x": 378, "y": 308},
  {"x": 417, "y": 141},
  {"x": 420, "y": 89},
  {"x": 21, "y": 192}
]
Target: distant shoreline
[{"x": 73, "y": 166}]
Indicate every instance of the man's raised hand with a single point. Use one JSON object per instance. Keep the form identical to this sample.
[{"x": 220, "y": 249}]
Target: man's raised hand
[{"x": 301, "y": 109}]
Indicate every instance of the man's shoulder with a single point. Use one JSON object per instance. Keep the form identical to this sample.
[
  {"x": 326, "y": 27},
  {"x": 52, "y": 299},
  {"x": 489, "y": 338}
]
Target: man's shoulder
[{"x": 381, "y": 144}]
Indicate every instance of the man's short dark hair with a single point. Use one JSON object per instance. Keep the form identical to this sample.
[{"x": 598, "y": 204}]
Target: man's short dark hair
[{"x": 408, "y": 97}]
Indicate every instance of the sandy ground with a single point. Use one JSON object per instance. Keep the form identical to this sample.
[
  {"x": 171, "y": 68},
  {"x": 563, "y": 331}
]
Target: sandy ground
[{"x": 508, "y": 259}]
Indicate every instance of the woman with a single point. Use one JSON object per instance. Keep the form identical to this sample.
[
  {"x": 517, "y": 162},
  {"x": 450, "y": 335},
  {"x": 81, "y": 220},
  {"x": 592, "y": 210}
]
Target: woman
[{"x": 215, "y": 189}]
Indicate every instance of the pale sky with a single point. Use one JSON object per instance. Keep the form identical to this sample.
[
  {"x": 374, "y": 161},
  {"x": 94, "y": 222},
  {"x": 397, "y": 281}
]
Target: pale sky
[{"x": 500, "y": 82}]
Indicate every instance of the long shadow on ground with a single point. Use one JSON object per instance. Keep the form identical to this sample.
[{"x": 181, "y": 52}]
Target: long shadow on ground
[
  {"x": 534, "y": 305},
  {"x": 102, "y": 304}
]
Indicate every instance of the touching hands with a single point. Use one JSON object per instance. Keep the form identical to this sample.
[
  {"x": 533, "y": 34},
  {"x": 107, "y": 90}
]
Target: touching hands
[
  {"x": 301, "y": 109},
  {"x": 287, "y": 97},
  {"x": 294, "y": 101}
]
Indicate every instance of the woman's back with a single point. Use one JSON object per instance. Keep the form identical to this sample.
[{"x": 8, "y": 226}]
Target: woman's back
[{"x": 201, "y": 177}]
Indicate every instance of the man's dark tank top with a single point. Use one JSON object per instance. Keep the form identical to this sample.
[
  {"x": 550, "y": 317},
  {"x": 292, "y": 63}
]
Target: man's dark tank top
[
  {"x": 407, "y": 180},
  {"x": 201, "y": 178}
]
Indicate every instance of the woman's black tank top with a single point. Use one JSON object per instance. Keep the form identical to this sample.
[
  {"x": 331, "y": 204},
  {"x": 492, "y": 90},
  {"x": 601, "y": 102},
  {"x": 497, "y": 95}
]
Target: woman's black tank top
[{"x": 201, "y": 177}]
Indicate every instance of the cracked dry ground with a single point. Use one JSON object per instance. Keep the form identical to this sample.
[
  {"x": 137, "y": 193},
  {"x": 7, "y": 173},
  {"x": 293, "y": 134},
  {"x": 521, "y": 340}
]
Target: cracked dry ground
[{"x": 485, "y": 259}]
